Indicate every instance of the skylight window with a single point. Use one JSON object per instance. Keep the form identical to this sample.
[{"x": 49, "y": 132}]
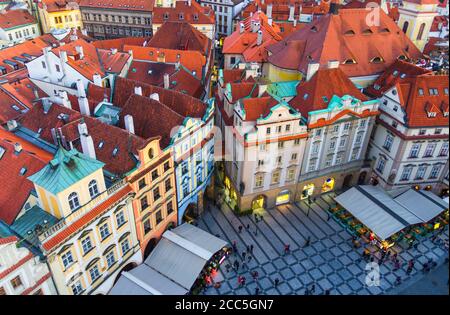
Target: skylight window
[
  {"x": 23, "y": 170},
  {"x": 100, "y": 145},
  {"x": 349, "y": 61},
  {"x": 115, "y": 151},
  {"x": 377, "y": 60},
  {"x": 349, "y": 32},
  {"x": 420, "y": 92},
  {"x": 305, "y": 97},
  {"x": 403, "y": 75},
  {"x": 395, "y": 73}
]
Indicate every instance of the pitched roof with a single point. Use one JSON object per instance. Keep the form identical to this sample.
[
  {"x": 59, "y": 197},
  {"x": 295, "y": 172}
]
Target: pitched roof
[
  {"x": 345, "y": 37},
  {"x": 393, "y": 75},
  {"x": 26, "y": 50},
  {"x": 14, "y": 169},
  {"x": 64, "y": 170},
  {"x": 180, "y": 36},
  {"x": 245, "y": 43},
  {"x": 119, "y": 43},
  {"x": 316, "y": 93},
  {"x": 193, "y": 14},
  {"x": 127, "y": 5},
  {"x": 15, "y": 18},
  {"x": 257, "y": 107},
  {"x": 181, "y": 79},
  {"x": 58, "y": 5},
  {"x": 191, "y": 60}
]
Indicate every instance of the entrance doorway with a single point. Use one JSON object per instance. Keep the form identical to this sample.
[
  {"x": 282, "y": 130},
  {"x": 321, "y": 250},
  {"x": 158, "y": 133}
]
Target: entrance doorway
[
  {"x": 347, "y": 181},
  {"x": 259, "y": 202},
  {"x": 362, "y": 178},
  {"x": 149, "y": 248}
]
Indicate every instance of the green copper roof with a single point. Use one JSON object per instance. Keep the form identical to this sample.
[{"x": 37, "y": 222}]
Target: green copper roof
[
  {"x": 4, "y": 230},
  {"x": 66, "y": 168},
  {"x": 279, "y": 90}
]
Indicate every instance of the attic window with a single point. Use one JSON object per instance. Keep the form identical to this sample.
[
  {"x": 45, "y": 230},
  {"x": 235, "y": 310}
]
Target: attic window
[
  {"x": 402, "y": 57},
  {"x": 314, "y": 28},
  {"x": 433, "y": 91},
  {"x": 376, "y": 60},
  {"x": 376, "y": 87},
  {"x": 114, "y": 152},
  {"x": 385, "y": 30},
  {"x": 349, "y": 61},
  {"x": 15, "y": 107},
  {"x": 367, "y": 31},
  {"x": 420, "y": 92},
  {"x": 395, "y": 73},
  {"x": 446, "y": 91},
  {"x": 305, "y": 97},
  {"x": 349, "y": 32},
  {"x": 23, "y": 170},
  {"x": 431, "y": 114},
  {"x": 166, "y": 16},
  {"x": 100, "y": 145},
  {"x": 181, "y": 16},
  {"x": 196, "y": 17}
]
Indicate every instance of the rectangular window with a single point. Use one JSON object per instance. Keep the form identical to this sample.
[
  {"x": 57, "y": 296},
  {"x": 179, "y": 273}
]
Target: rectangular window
[
  {"x": 276, "y": 177},
  {"x": 291, "y": 174},
  {"x": 406, "y": 173},
  {"x": 158, "y": 217},
  {"x": 429, "y": 150},
  {"x": 110, "y": 259},
  {"x": 125, "y": 245},
  {"x": 144, "y": 203},
  {"x": 2, "y": 291},
  {"x": 388, "y": 142},
  {"x": 435, "y": 171},
  {"x": 296, "y": 141},
  {"x": 332, "y": 144},
  {"x": 44, "y": 65},
  {"x": 184, "y": 168},
  {"x": 142, "y": 183},
  {"x": 168, "y": 184},
  {"x": 288, "y": 127},
  {"x": 169, "y": 207},
  {"x": 94, "y": 273},
  {"x": 156, "y": 194},
  {"x": 155, "y": 175},
  {"x": 67, "y": 259},
  {"x": 336, "y": 128},
  {"x": 280, "y": 144},
  {"x": 342, "y": 142},
  {"x": 77, "y": 288},
  {"x": 294, "y": 156},
  {"x": 104, "y": 231},
  {"x": 120, "y": 218},
  {"x": 347, "y": 126},
  {"x": 147, "y": 226},
  {"x": 86, "y": 244},
  {"x": 421, "y": 172},
  {"x": 380, "y": 166},
  {"x": 414, "y": 150},
  {"x": 268, "y": 130},
  {"x": 166, "y": 166},
  {"x": 444, "y": 149},
  {"x": 278, "y": 128},
  {"x": 358, "y": 138},
  {"x": 16, "y": 282},
  {"x": 315, "y": 148},
  {"x": 259, "y": 180},
  {"x": 318, "y": 132}
]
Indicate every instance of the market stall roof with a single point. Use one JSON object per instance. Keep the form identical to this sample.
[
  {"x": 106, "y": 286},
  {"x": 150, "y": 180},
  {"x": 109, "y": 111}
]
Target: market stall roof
[
  {"x": 174, "y": 264},
  {"x": 375, "y": 209},
  {"x": 424, "y": 204}
]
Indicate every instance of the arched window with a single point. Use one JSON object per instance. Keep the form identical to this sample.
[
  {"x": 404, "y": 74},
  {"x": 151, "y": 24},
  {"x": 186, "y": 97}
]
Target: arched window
[
  {"x": 405, "y": 26},
  {"x": 151, "y": 153},
  {"x": 93, "y": 188},
  {"x": 420, "y": 34},
  {"x": 74, "y": 202}
]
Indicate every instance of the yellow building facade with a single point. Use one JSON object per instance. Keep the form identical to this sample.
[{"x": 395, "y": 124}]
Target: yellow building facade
[
  {"x": 416, "y": 18},
  {"x": 54, "y": 16},
  {"x": 94, "y": 238}
]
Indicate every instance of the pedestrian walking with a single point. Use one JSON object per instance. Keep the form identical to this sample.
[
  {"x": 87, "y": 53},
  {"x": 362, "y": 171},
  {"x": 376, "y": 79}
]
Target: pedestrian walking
[
  {"x": 287, "y": 249},
  {"x": 276, "y": 282},
  {"x": 397, "y": 265},
  {"x": 249, "y": 258},
  {"x": 256, "y": 231},
  {"x": 239, "y": 280},
  {"x": 256, "y": 218},
  {"x": 251, "y": 248},
  {"x": 255, "y": 275},
  {"x": 234, "y": 246},
  {"x": 248, "y": 249},
  {"x": 244, "y": 265},
  {"x": 409, "y": 270},
  {"x": 256, "y": 291},
  {"x": 236, "y": 265},
  {"x": 227, "y": 267},
  {"x": 366, "y": 253},
  {"x": 313, "y": 289},
  {"x": 398, "y": 280},
  {"x": 425, "y": 268},
  {"x": 327, "y": 292},
  {"x": 243, "y": 256},
  {"x": 248, "y": 226},
  {"x": 394, "y": 257},
  {"x": 240, "y": 228},
  {"x": 308, "y": 241},
  {"x": 243, "y": 280}
]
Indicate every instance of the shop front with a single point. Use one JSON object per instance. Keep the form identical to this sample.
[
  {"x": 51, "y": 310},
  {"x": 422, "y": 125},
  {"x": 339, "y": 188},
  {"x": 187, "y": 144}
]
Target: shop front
[
  {"x": 307, "y": 191},
  {"x": 283, "y": 197},
  {"x": 259, "y": 202},
  {"x": 230, "y": 195}
]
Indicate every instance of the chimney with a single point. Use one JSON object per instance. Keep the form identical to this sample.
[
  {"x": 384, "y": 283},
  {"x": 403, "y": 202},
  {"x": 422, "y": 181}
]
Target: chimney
[
  {"x": 312, "y": 69},
  {"x": 291, "y": 12},
  {"x": 259, "y": 38},
  {"x": 269, "y": 21},
  {"x": 129, "y": 124},
  {"x": 294, "y": 23},
  {"x": 80, "y": 89},
  {"x": 154, "y": 96},
  {"x": 65, "y": 99},
  {"x": 241, "y": 28},
  {"x": 11, "y": 125},
  {"x": 36, "y": 93},
  {"x": 269, "y": 11},
  {"x": 138, "y": 90},
  {"x": 17, "y": 147},
  {"x": 166, "y": 81},
  {"x": 73, "y": 37},
  {"x": 332, "y": 64},
  {"x": 87, "y": 144},
  {"x": 79, "y": 50},
  {"x": 334, "y": 7},
  {"x": 97, "y": 80},
  {"x": 189, "y": 3},
  {"x": 83, "y": 103},
  {"x": 113, "y": 51},
  {"x": 255, "y": 26},
  {"x": 46, "y": 104},
  {"x": 63, "y": 56}
]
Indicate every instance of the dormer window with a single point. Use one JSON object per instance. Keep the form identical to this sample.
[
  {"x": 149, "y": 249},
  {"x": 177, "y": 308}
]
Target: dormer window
[
  {"x": 433, "y": 91},
  {"x": 314, "y": 29},
  {"x": 115, "y": 151},
  {"x": 349, "y": 61},
  {"x": 385, "y": 30},
  {"x": 196, "y": 17},
  {"x": 376, "y": 87},
  {"x": 349, "y": 32},
  {"x": 431, "y": 114},
  {"x": 403, "y": 75},
  {"x": 376, "y": 60},
  {"x": 181, "y": 16},
  {"x": 395, "y": 73},
  {"x": 402, "y": 57},
  {"x": 367, "y": 31},
  {"x": 74, "y": 201},
  {"x": 420, "y": 91},
  {"x": 305, "y": 97},
  {"x": 166, "y": 16},
  {"x": 446, "y": 91},
  {"x": 431, "y": 110}
]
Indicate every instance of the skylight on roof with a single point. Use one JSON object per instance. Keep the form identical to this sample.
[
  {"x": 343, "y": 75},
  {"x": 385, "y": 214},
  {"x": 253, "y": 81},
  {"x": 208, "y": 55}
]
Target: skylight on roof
[
  {"x": 23, "y": 170},
  {"x": 115, "y": 151},
  {"x": 100, "y": 145}
]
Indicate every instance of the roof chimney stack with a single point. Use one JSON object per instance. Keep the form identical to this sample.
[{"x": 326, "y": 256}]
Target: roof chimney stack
[
  {"x": 334, "y": 7},
  {"x": 129, "y": 123},
  {"x": 189, "y": 3},
  {"x": 87, "y": 144},
  {"x": 138, "y": 90},
  {"x": 154, "y": 96},
  {"x": 313, "y": 67},
  {"x": 63, "y": 56},
  {"x": 65, "y": 99},
  {"x": 80, "y": 51},
  {"x": 291, "y": 12},
  {"x": 17, "y": 147},
  {"x": 97, "y": 80},
  {"x": 269, "y": 11},
  {"x": 83, "y": 103},
  {"x": 80, "y": 89},
  {"x": 166, "y": 81},
  {"x": 259, "y": 38}
]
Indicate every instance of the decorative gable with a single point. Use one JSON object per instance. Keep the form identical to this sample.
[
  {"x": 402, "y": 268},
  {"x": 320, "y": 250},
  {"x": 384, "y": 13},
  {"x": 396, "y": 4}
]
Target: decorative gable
[{"x": 431, "y": 110}]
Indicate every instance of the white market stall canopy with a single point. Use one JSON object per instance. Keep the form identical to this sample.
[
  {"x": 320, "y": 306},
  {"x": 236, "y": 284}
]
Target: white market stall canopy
[
  {"x": 174, "y": 264},
  {"x": 386, "y": 215}
]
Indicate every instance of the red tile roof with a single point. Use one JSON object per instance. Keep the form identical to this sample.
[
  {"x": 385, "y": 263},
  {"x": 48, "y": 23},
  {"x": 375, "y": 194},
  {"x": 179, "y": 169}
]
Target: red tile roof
[
  {"x": 191, "y": 60},
  {"x": 243, "y": 89},
  {"x": 17, "y": 188},
  {"x": 193, "y": 14},
  {"x": 76, "y": 226},
  {"x": 233, "y": 75},
  {"x": 344, "y": 37},
  {"x": 97, "y": 93},
  {"x": 180, "y": 79},
  {"x": 32, "y": 47},
  {"x": 23, "y": 90},
  {"x": 113, "y": 61},
  {"x": 128, "y": 5},
  {"x": 119, "y": 43},
  {"x": 180, "y": 36},
  {"x": 388, "y": 79},
  {"x": 257, "y": 107},
  {"x": 15, "y": 18},
  {"x": 58, "y": 5},
  {"x": 246, "y": 43},
  {"x": 321, "y": 88}
]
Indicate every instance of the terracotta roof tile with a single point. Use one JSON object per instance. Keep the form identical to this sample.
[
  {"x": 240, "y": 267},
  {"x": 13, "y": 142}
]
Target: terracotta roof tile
[
  {"x": 128, "y": 5},
  {"x": 193, "y": 14},
  {"x": 258, "y": 107},
  {"x": 15, "y": 18}
]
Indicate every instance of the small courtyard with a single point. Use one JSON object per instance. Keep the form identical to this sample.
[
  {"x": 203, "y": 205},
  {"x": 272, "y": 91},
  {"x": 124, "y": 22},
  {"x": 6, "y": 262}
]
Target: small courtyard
[{"x": 329, "y": 262}]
